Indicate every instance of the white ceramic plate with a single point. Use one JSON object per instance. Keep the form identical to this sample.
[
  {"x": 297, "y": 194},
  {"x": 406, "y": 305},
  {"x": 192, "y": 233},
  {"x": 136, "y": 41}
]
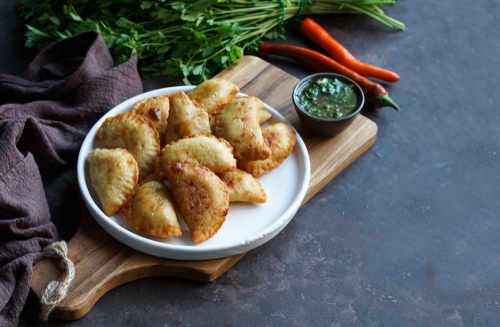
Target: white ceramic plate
[{"x": 247, "y": 226}]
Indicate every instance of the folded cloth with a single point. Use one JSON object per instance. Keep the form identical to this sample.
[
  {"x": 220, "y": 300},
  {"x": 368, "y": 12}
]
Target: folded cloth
[{"x": 44, "y": 116}]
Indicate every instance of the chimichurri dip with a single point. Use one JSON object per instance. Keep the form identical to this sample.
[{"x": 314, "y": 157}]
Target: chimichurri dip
[{"x": 328, "y": 98}]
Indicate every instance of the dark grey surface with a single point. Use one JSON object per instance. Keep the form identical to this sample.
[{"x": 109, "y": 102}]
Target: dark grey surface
[{"x": 407, "y": 235}]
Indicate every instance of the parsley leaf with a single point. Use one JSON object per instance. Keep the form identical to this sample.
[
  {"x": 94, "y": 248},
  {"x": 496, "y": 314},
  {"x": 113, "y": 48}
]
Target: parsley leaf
[{"x": 195, "y": 38}]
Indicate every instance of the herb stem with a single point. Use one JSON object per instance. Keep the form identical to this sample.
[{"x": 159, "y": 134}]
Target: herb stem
[{"x": 182, "y": 36}]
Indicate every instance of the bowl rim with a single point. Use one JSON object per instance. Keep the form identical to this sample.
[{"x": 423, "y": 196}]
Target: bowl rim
[
  {"x": 177, "y": 251},
  {"x": 318, "y": 75}
]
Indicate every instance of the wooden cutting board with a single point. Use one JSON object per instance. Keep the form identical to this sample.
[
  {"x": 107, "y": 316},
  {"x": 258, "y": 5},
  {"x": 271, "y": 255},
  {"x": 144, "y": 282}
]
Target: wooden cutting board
[{"x": 102, "y": 263}]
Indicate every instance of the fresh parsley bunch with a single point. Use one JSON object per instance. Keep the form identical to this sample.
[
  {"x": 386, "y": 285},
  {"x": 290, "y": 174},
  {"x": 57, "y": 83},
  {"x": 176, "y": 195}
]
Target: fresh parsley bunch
[{"x": 195, "y": 38}]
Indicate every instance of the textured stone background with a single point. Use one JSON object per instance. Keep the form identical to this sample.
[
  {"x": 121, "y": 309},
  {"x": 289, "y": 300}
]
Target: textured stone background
[{"x": 410, "y": 238}]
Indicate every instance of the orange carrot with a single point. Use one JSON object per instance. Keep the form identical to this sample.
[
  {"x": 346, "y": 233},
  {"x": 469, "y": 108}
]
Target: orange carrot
[{"x": 321, "y": 37}]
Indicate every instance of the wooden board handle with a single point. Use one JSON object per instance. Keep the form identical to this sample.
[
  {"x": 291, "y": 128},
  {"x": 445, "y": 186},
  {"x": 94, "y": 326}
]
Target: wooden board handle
[{"x": 102, "y": 263}]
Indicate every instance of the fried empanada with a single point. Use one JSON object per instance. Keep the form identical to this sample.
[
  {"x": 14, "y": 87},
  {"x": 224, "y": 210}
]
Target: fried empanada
[
  {"x": 114, "y": 174},
  {"x": 213, "y": 94},
  {"x": 281, "y": 139},
  {"x": 264, "y": 116},
  {"x": 151, "y": 209},
  {"x": 155, "y": 109},
  {"x": 238, "y": 123},
  {"x": 202, "y": 199},
  {"x": 185, "y": 118},
  {"x": 134, "y": 133},
  {"x": 243, "y": 187},
  {"x": 209, "y": 151}
]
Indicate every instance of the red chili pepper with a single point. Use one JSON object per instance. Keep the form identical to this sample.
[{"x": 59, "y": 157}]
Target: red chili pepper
[
  {"x": 376, "y": 96},
  {"x": 321, "y": 37}
]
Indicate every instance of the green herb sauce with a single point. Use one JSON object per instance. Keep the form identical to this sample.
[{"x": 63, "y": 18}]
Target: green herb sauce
[{"x": 328, "y": 98}]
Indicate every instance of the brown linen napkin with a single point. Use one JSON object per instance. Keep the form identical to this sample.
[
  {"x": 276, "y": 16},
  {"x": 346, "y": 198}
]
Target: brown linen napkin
[{"x": 44, "y": 115}]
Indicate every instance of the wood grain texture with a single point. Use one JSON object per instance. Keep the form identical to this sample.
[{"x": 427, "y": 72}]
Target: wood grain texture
[{"x": 102, "y": 263}]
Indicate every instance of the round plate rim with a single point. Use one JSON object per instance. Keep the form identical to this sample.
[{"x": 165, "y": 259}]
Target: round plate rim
[{"x": 139, "y": 242}]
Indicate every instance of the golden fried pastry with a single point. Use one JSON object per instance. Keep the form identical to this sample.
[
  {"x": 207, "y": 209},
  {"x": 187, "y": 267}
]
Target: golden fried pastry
[
  {"x": 238, "y": 123},
  {"x": 264, "y": 116},
  {"x": 213, "y": 94},
  {"x": 151, "y": 209},
  {"x": 281, "y": 139},
  {"x": 243, "y": 187},
  {"x": 150, "y": 178},
  {"x": 155, "y": 109},
  {"x": 202, "y": 198},
  {"x": 114, "y": 174},
  {"x": 211, "y": 120},
  {"x": 209, "y": 151},
  {"x": 186, "y": 118},
  {"x": 134, "y": 133}
]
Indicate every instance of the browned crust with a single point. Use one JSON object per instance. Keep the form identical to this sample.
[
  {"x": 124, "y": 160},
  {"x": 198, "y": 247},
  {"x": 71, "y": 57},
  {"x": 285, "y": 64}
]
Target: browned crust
[
  {"x": 211, "y": 120},
  {"x": 242, "y": 186},
  {"x": 279, "y": 152},
  {"x": 139, "y": 103},
  {"x": 127, "y": 115},
  {"x": 127, "y": 214},
  {"x": 153, "y": 115},
  {"x": 202, "y": 199},
  {"x": 127, "y": 191},
  {"x": 264, "y": 116},
  {"x": 202, "y": 92},
  {"x": 154, "y": 137},
  {"x": 246, "y": 152},
  {"x": 178, "y": 126},
  {"x": 160, "y": 166}
]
